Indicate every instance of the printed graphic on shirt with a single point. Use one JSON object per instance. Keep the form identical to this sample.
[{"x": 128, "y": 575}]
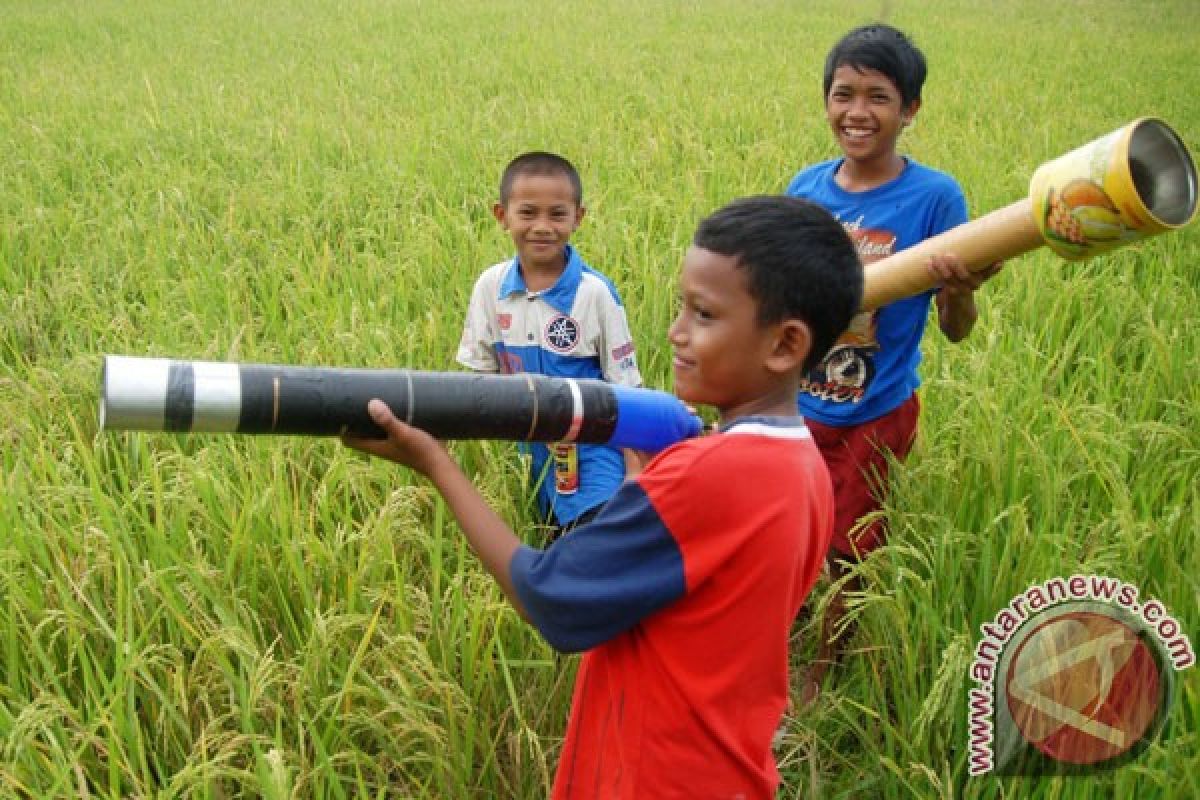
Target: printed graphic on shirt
[
  {"x": 846, "y": 373},
  {"x": 624, "y": 357},
  {"x": 624, "y": 351},
  {"x": 562, "y": 333},
  {"x": 872, "y": 243}
]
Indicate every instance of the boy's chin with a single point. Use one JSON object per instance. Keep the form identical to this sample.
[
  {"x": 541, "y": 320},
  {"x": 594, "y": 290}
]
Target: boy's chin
[
  {"x": 542, "y": 259},
  {"x": 689, "y": 396}
]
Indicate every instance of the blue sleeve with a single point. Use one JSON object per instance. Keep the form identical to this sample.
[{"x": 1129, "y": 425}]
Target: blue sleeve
[
  {"x": 951, "y": 209},
  {"x": 602, "y": 578},
  {"x": 793, "y": 187}
]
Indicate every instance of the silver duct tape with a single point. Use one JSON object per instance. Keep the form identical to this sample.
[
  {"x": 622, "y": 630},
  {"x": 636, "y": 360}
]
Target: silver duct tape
[
  {"x": 135, "y": 393},
  {"x": 217, "y": 402}
]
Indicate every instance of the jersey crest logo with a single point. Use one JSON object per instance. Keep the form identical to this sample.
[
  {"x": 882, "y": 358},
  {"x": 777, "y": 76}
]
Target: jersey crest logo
[{"x": 562, "y": 333}]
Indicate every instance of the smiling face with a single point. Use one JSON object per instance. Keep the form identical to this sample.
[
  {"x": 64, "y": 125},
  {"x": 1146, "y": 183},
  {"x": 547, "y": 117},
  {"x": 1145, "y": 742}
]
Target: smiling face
[
  {"x": 541, "y": 213},
  {"x": 723, "y": 356},
  {"x": 866, "y": 112}
]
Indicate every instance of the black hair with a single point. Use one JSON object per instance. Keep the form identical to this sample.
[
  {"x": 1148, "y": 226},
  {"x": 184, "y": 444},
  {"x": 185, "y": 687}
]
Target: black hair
[
  {"x": 884, "y": 49},
  {"x": 799, "y": 262},
  {"x": 539, "y": 163}
]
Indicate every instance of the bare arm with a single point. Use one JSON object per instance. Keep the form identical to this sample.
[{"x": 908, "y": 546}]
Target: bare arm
[
  {"x": 491, "y": 539},
  {"x": 956, "y": 307},
  {"x": 635, "y": 462}
]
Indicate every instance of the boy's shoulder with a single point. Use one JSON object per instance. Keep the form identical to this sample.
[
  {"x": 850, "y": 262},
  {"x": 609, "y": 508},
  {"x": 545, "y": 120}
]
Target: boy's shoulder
[
  {"x": 931, "y": 176},
  {"x": 593, "y": 278},
  {"x": 604, "y": 285},
  {"x": 721, "y": 489},
  {"x": 814, "y": 174},
  {"x": 491, "y": 283},
  {"x": 751, "y": 452},
  {"x": 495, "y": 273}
]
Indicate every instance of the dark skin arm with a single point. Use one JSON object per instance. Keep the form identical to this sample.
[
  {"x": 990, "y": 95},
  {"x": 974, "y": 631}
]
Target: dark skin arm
[
  {"x": 956, "y": 307},
  {"x": 488, "y": 535}
]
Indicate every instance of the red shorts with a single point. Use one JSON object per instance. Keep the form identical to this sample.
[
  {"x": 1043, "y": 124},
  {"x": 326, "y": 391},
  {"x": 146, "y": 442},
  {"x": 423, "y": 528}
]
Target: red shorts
[{"x": 858, "y": 458}]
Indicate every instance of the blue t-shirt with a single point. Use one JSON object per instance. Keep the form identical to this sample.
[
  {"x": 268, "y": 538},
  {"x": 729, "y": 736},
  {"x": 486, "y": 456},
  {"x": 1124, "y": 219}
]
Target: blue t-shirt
[{"x": 872, "y": 368}]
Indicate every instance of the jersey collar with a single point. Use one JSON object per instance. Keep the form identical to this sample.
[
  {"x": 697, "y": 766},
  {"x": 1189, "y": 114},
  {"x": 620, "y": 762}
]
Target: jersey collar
[
  {"x": 560, "y": 296},
  {"x": 775, "y": 427}
]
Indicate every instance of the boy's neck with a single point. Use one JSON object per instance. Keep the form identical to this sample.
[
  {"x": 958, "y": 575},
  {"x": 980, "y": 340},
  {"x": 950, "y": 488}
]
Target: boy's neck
[
  {"x": 780, "y": 402},
  {"x": 540, "y": 277},
  {"x": 861, "y": 176}
]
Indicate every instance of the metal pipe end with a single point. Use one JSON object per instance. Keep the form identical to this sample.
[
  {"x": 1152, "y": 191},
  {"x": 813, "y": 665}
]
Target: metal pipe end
[{"x": 1163, "y": 173}]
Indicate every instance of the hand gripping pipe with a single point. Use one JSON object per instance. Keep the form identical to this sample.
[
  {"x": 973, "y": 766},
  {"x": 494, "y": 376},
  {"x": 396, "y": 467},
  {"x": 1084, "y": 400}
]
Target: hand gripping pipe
[
  {"x": 157, "y": 394},
  {"x": 1136, "y": 182}
]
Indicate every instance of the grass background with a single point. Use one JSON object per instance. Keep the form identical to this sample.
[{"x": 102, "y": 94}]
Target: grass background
[{"x": 310, "y": 182}]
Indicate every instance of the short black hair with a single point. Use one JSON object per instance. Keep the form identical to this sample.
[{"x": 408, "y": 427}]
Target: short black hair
[
  {"x": 799, "y": 262},
  {"x": 884, "y": 49},
  {"x": 539, "y": 162}
]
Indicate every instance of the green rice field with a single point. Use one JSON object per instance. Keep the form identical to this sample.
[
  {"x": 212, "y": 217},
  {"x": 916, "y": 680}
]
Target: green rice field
[{"x": 310, "y": 182}]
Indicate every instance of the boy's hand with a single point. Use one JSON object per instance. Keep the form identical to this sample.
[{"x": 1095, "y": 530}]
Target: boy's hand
[
  {"x": 956, "y": 301},
  {"x": 412, "y": 447},
  {"x": 955, "y": 279}
]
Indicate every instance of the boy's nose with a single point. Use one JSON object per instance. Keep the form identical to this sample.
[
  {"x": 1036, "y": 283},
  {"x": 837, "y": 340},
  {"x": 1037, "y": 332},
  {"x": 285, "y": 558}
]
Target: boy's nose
[{"x": 858, "y": 107}]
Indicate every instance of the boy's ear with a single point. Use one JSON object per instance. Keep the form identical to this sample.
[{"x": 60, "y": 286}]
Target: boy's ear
[
  {"x": 907, "y": 115},
  {"x": 498, "y": 212},
  {"x": 793, "y": 342}
]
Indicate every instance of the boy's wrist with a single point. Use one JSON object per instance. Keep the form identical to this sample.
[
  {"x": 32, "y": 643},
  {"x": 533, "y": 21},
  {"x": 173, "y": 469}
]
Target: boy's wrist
[{"x": 440, "y": 467}]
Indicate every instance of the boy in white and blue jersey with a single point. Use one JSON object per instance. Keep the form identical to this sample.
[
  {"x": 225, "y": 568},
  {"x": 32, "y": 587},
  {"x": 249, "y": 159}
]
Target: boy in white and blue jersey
[{"x": 546, "y": 311}]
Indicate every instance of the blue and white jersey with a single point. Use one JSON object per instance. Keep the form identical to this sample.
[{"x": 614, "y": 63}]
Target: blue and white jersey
[{"x": 575, "y": 329}]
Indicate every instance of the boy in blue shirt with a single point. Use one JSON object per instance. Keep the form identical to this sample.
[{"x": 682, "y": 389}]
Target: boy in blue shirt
[
  {"x": 548, "y": 312},
  {"x": 861, "y": 402}
]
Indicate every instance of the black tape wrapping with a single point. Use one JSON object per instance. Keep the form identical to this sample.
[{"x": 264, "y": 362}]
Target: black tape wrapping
[
  {"x": 449, "y": 405},
  {"x": 180, "y": 402}
]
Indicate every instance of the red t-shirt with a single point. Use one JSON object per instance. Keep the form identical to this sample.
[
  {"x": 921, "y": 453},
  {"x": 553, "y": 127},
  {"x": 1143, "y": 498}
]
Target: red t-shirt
[{"x": 685, "y": 588}]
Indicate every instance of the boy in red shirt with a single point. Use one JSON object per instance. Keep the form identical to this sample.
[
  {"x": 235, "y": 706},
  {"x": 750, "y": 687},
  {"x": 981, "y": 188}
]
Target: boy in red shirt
[{"x": 683, "y": 589}]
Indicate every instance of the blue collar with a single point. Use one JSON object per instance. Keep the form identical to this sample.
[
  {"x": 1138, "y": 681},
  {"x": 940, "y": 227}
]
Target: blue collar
[{"x": 560, "y": 296}]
